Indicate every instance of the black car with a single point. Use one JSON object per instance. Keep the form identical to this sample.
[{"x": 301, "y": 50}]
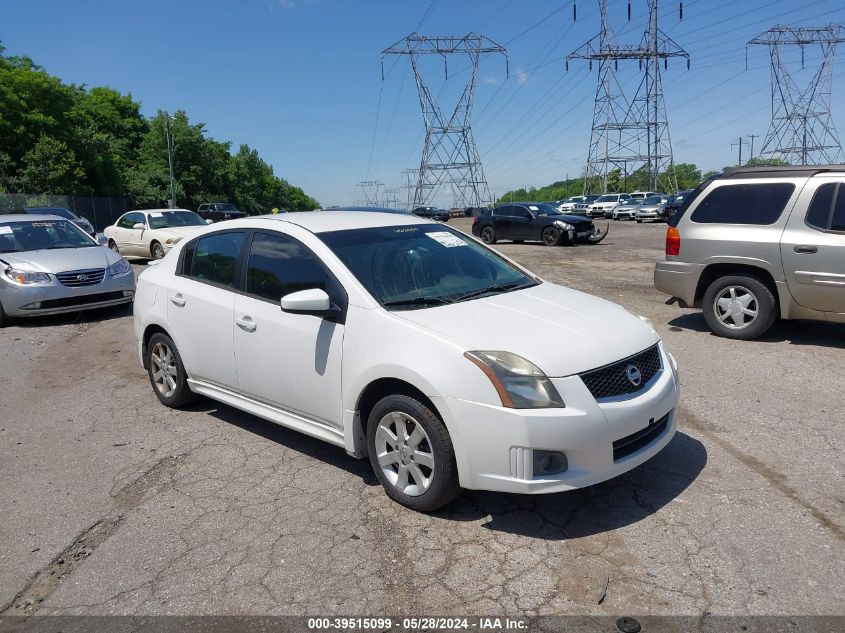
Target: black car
[
  {"x": 532, "y": 222},
  {"x": 472, "y": 212},
  {"x": 217, "y": 211},
  {"x": 674, "y": 204},
  {"x": 61, "y": 212},
  {"x": 432, "y": 213}
]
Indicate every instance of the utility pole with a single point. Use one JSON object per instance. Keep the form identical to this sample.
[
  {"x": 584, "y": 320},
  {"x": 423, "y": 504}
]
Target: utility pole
[
  {"x": 169, "y": 139},
  {"x": 621, "y": 125},
  {"x": 752, "y": 137},
  {"x": 739, "y": 144},
  {"x": 450, "y": 155},
  {"x": 802, "y": 130}
]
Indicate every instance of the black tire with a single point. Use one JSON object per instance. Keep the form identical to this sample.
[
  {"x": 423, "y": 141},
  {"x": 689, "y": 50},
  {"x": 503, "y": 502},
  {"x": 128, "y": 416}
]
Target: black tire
[
  {"x": 4, "y": 318},
  {"x": 763, "y": 299},
  {"x": 156, "y": 250},
  {"x": 444, "y": 486},
  {"x": 182, "y": 394},
  {"x": 550, "y": 236},
  {"x": 488, "y": 235},
  {"x": 639, "y": 221},
  {"x": 113, "y": 246}
]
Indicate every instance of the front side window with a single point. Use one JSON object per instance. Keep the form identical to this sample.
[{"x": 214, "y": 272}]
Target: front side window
[
  {"x": 758, "y": 203},
  {"x": 417, "y": 266},
  {"x": 607, "y": 199},
  {"x": 126, "y": 222},
  {"x": 16, "y": 237},
  {"x": 214, "y": 258},
  {"x": 827, "y": 209},
  {"x": 279, "y": 265}
]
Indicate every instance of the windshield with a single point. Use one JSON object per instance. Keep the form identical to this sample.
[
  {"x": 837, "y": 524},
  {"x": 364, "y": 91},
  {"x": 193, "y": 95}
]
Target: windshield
[
  {"x": 166, "y": 219},
  {"x": 652, "y": 200},
  {"x": 16, "y": 237},
  {"x": 62, "y": 213},
  {"x": 416, "y": 266},
  {"x": 223, "y": 206},
  {"x": 607, "y": 199},
  {"x": 544, "y": 209}
]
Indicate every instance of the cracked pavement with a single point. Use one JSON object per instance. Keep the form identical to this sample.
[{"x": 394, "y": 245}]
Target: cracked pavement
[{"x": 113, "y": 504}]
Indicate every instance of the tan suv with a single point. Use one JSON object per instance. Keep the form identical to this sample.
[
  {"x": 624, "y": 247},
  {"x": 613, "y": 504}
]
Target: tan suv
[{"x": 756, "y": 243}]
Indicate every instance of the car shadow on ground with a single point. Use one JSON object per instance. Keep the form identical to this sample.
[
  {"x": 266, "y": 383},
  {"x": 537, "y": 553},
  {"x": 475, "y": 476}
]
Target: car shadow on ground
[
  {"x": 622, "y": 501},
  {"x": 821, "y": 333},
  {"x": 74, "y": 318}
]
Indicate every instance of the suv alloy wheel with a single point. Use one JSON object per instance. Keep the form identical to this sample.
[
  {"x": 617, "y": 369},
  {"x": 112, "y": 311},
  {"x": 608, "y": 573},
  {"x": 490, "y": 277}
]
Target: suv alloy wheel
[{"x": 739, "y": 307}]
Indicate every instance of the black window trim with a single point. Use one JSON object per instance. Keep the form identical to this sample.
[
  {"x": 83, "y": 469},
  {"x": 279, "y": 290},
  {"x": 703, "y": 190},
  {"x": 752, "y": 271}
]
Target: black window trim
[{"x": 838, "y": 186}]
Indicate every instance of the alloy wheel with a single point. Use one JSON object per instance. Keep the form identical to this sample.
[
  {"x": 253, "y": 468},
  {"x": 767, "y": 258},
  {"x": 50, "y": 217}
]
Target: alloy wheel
[
  {"x": 487, "y": 235},
  {"x": 404, "y": 453},
  {"x": 736, "y": 307},
  {"x": 164, "y": 369}
]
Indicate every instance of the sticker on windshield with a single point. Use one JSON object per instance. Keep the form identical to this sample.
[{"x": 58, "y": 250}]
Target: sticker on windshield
[
  {"x": 533, "y": 208},
  {"x": 5, "y": 230},
  {"x": 155, "y": 215},
  {"x": 447, "y": 239}
]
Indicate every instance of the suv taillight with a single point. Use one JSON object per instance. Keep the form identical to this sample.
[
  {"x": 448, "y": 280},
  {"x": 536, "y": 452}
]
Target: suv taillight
[
  {"x": 475, "y": 220},
  {"x": 673, "y": 241}
]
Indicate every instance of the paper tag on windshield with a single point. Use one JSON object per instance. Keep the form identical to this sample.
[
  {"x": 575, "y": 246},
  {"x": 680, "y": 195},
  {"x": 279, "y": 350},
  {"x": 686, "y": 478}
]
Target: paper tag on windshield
[
  {"x": 447, "y": 239},
  {"x": 155, "y": 215},
  {"x": 5, "y": 230}
]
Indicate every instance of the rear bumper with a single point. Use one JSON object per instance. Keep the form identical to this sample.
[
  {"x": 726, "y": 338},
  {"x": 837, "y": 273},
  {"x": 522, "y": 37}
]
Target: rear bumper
[
  {"x": 495, "y": 445},
  {"x": 677, "y": 279}
]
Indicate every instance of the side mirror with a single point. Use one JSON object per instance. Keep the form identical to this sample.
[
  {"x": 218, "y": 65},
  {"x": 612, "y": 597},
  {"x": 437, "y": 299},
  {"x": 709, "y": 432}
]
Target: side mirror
[
  {"x": 209, "y": 221},
  {"x": 313, "y": 301},
  {"x": 139, "y": 225}
]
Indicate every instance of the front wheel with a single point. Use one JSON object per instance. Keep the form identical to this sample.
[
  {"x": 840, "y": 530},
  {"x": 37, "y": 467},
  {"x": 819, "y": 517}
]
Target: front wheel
[
  {"x": 550, "y": 236},
  {"x": 157, "y": 250},
  {"x": 113, "y": 246},
  {"x": 167, "y": 373},
  {"x": 488, "y": 235},
  {"x": 639, "y": 221},
  {"x": 4, "y": 319},
  {"x": 739, "y": 307},
  {"x": 411, "y": 453}
]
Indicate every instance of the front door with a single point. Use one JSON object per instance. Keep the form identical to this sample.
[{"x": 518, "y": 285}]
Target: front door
[
  {"x": 813, "y": 246},
  {"x": 200, "y": 307},
  {"x": 291, "y": 361},
  {"x": 523, "y": 223}
]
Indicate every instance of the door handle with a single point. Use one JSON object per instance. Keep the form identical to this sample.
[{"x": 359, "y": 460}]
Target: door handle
[
  {"x": 178, "y": 300},
  {"x": 805, "y": 249},
  {"x": 246, "y": 324}
]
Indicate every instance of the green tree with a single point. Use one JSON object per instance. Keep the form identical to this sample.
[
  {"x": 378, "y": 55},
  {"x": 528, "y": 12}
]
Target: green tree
[{"x": 51, "y": 167}]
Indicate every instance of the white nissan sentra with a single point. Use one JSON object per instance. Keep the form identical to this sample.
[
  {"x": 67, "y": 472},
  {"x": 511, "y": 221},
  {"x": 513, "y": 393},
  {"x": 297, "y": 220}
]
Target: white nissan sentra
[{"x": 402, "y": 340}]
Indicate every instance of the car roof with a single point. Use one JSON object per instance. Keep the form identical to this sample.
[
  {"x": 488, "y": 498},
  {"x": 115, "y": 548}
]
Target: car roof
[
  {"x": 326, "y": 221},
  {"x": 370, "y": 209},
  {"x": 29, "y": 217},
  {"x": 28, "y": 209},
  {"x": 786, "y": 171}
]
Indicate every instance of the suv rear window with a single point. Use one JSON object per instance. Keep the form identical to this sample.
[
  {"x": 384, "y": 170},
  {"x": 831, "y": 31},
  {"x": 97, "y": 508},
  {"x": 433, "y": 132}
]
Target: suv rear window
[{"x": 757, "y": 203}]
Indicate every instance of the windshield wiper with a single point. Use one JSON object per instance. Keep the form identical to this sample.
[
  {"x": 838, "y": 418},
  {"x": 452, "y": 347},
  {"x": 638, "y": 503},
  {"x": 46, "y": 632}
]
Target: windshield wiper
[
  {"x": 500, "y": 288},
  {"x": 417, "y": 301}
]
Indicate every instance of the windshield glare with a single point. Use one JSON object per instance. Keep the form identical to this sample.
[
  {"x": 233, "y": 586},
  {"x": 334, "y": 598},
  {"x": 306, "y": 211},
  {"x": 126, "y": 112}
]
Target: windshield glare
[
  {"x": 423, "y": 264},
  {"x": 607, "y": 199},
  {"x": 652, "y": 200},
  {"x": 167, "y": 219},
  {"x": 17, "y": 237}
]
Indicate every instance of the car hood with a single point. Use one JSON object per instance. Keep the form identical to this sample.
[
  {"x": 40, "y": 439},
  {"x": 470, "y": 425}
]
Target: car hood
[
  {"x": 178, "y": 231},
  {"x": 562, "y": 331},
  {"x": 652, "y": 207},
  {"x": 564, "y": 217},
  {"x": 61, "y": 259}
]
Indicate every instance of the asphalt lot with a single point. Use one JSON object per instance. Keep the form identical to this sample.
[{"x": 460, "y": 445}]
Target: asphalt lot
[{"x": 113, "y": 504}]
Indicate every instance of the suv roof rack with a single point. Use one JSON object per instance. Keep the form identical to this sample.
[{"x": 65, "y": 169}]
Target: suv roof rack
[{"x": 785, "y": 171}]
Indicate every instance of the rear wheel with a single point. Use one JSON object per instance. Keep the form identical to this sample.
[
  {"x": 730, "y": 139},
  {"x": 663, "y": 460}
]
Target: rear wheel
[
  {"x": 639, "y": 221},
  {"x": 488, "y": 235},
  {"x": 411, "y": 453},
  {"x": 167, "y": 373},
  {"x": 739, "y": 307},
  {"x": 551, "y": 236},
  {"x": 156, "y": 250}
]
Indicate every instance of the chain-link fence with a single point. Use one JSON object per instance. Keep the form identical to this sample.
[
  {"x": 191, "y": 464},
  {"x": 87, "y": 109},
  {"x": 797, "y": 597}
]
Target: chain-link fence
[{"x": 99, "y": 211}]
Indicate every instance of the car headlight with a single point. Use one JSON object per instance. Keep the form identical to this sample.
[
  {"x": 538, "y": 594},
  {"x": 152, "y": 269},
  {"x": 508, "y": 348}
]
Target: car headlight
[
  {"x": 27, "y": 277},
  {"x": 120, "y": 267},
  {"x": 519, "y": 383},
  {"x": 566, "y": 226},
  {"x": 171, "y": 241}
]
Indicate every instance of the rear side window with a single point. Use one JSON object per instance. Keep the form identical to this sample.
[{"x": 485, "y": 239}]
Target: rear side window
[
  {"x": 214, "y": 258},
  {"x": 827, "y": 209},
  {"x": 279, "y": 265},
  {"x": 757, "y": 203}
]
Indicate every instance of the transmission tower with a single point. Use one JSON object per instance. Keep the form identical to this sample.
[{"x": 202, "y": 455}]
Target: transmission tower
[
  {"x": 450, "y": 154},
  {"x": 410, "y": 186},
  {"x": 802, "y": 130},
  {"x": 629, "y": 134},
  {"x": 391, "y": 198},
  {"x": 370, "y": 192}
]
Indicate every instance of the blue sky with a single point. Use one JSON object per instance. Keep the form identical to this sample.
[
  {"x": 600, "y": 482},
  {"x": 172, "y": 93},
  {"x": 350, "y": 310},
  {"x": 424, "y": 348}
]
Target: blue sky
[{"x": 300, "y": 80}]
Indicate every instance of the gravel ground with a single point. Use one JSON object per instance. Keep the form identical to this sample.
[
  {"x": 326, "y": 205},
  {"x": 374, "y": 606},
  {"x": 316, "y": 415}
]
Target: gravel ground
[{"x": 113, "y": 504}]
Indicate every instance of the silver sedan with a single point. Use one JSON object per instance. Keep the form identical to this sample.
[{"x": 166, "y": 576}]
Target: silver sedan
[{"x": 48, "y": 265}]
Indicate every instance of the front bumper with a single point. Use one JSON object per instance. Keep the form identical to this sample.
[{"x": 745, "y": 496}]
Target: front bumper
[
  {"x": 678, "y": 279},
  {"x": 39, "y": 300},
  {"x": 495, "y": 445}
]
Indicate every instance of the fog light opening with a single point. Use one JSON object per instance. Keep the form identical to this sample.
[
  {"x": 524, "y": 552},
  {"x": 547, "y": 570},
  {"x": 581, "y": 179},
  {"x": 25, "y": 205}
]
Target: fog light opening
[{"x": 549, "y": 463}]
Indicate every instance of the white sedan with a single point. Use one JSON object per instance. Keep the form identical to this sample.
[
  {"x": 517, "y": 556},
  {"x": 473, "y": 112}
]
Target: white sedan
[
  {"x": 412, "y": 344},
  {"x": 151, "y": 233}
]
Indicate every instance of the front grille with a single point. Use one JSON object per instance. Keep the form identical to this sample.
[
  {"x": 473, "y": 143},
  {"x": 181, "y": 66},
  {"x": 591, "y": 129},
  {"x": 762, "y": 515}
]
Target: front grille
[
  {"x": 583, "y": 226},
  {"x": 612, "y": 380},
  {"x": 632, "y": 443},
  {"x": 68, "y": 302},
  {"x": 77, "y": 278}
]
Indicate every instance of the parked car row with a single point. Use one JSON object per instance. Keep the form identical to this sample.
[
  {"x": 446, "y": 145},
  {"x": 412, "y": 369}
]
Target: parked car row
[{"x": 536, "y": 222}]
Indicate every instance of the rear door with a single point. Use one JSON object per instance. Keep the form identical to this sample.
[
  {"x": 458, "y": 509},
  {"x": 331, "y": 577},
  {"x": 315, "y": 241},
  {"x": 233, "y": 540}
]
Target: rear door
[{"x": 813, "y": 246}]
